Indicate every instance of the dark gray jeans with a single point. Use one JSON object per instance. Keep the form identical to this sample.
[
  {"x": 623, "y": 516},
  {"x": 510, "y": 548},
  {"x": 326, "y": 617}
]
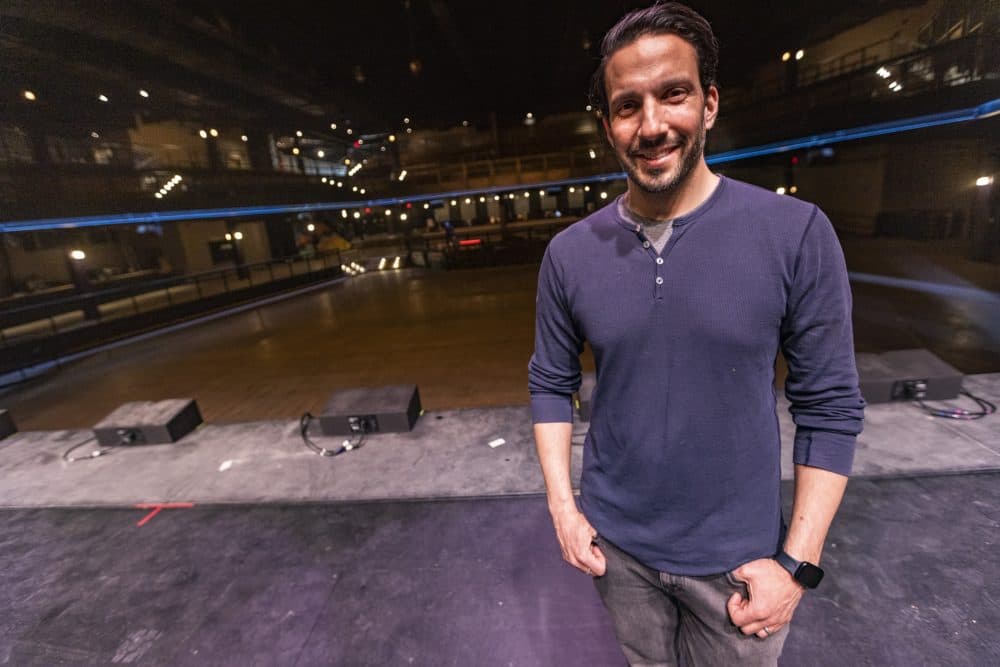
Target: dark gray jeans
[{"x": 665, "y": 619}]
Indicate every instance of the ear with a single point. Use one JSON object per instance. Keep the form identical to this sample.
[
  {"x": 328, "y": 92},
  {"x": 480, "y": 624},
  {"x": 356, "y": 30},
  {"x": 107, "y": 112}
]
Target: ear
[{"x": 711, "y": 106}]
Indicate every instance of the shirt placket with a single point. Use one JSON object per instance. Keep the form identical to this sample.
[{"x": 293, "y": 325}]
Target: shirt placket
[{"x": 657, "y": 263}]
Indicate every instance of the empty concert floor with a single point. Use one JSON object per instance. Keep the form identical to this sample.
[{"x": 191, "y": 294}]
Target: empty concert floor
[{"x": 440, "y": 556}]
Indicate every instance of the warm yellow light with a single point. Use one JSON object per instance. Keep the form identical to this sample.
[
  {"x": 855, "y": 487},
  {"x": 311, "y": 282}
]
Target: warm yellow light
[
  {"x": 95, "y": 135},
  {"x": 780, "y": 190},
  {"x": 295, "y": 151},
  {"x": 360, "y": 141},
  {"x": 541, "y": 192},
  {"x": 30, "y": 96},
  {"x": 311, "y": 227},
  {"x": 496, "y": 197},
  {"x": 323, "y": 180},
  {"x": 402, "y": 175},
  {"x": 340, "y": 184},
  {"x": 78, "y": 255},
  {"x": 203, "y": 134},
  {"x": 529, "y": 115},
  {"x": 786, "y": 56},
  {"x": 343, "y": 213},
  {"x": 426, "y": 206},
  {"x": 604, "y": 195},
  {"x": 320, "y": 154},
  {"x": 572, "y": 190},
  {"x": 238, "y": 236},
  {"x": 357, "y": 215},
  {"x": 388, "y": 212},
  {"x": 468, "y": 201},
  {"x": 229, "y": 237},
  {"x": 354, "y": 189},
  {"x": 244, "y": 137},
  {"x": 159, "y": 195},
  {"x": 333, "y": 126},
  {"x": 361, "y": 191},
  {"x": 214, "y": 132},
  {"x": 403, "y": 216},
  {"x": 392, "y": 137},
  {"x": 298, "y": 133},
  {"x": 800, "y": 54},
  {"x": 482, "y": 199},
  {"x": 983, "y": 181},
  {"x": 593, "y": 154},
  {"x": 586, "y": 188},
  {"x": 143, "y": 93},
  {"x": 793, "y": 189}
]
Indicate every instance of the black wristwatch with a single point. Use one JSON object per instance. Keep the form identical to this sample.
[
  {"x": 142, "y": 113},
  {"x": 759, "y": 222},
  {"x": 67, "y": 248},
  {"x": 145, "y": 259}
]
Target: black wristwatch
[{"x": 807, "y": 574}]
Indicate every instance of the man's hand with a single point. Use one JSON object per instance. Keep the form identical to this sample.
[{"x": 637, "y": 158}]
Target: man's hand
[
  {"x": 774, "y": 594},
  {"x": 576, "y": 536}
]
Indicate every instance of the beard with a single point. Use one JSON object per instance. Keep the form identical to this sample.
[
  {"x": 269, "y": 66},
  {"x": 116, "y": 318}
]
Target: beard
[{"x": 655, "y": 181}]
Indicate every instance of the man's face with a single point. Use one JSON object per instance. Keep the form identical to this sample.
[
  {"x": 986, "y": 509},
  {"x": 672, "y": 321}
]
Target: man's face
[{"x": 658, "y": 113}]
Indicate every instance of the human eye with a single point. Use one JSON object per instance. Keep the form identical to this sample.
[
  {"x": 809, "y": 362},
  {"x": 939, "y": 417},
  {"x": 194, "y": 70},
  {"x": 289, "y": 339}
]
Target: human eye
[
  {"x": 676, "y": 95},
  {"x": 625, "y": 107}
]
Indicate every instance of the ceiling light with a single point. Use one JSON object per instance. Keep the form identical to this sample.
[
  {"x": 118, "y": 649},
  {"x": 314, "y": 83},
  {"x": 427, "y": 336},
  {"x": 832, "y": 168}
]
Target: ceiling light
[
  {"x": 295, "y": 151},
  {"x": 786, "y": 56},
  {"x": 203, "y": 134},
  {"x": 402, "y": 175},
  {"x": 350, "y": 131},
  {"x": 238, "y": 236},
  {"x": 780, "y": 190},
  {"x": 983, "y": 181},
  {"x": 392, "y": 137},
  {"x": 311, "y": 227},
  {"x": 102, "y": 97},
  {"x": 78, "y": 255},
  {"x": 333, "y": 126},
  {"x": 320, "y": 154},
  {"x": 214, "y": 132},
  {"x": 406, "y": 121},
  {"x": 95, "y": 135},
  {"x": 244, "y": 137},
  {"x": 800, "y": 54},
  {"x": 143, "y": 93},
  {"x": 30, "y": 96},
  {"x": 298, "y": 133}
]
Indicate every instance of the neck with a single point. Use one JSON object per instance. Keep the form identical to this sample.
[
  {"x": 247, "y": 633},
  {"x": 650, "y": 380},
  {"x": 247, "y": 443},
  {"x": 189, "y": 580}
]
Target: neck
[{"x": 668, "y": 205}]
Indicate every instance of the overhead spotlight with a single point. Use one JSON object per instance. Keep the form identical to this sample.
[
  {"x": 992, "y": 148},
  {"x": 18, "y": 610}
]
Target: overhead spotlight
[
  {"x": 468, "y": 201},
  {"x": 360, "y": 141},
  {"x": 357, "y": 215},
  {"x": 541, "y": 192},
  {"x": 229, "y": 237},
  {"x": 406, "y": 121},
  {"x": 426, "y": 206},
  {"x": 159, "y": 195},
  {"x": 244, "y": 137},
  {"x": 143, "y": 93},
  {"x": 780, "y": 190},
  {"x": 496, "y": 197},
  {"x": 983, "y": 181},
  {"x": 298, "y": 133},
  {"x": 482, "y": 199},
  {"x": 103, "y": 98},
  {"x": 590, "y": 108},
  {"x": 604, "y": 195},
  {"x": 793, "y": 190},
  {"x": 354, "y": 189},
  {"x": 527, "y": 194},
  {"x": 238, "y": 236},
  {"x": 311, "y": 227},
  {"x": 586, "y": 188},
  {"x": 572, "y": 190},
  {"x": 178, "y": 177},
  {"x": 203, "y": 134},
  {"x": 30, "y": 96},
  {"x": 95, "y": 135},
  {"x": 786, "y": 56},
  {"x": 465, "y": 123},
  {"x": 78, "y": 255},
  {"x": 392, "y": 137},
  {"x": 343, "y": 213},
  {"x": 409, "y": 130},
  {"x": 395, "y": 263},
  {"x": 402, "y": 175},
  {"x": 381, "y": 263},
  {"x": 382, "y": 148},
  {"x": 361, "y": 191},
  {"x": 350, "y": 131},
  {"x": 883, "y": 72},
  {"x": 323, "y": 180},
  {"x": 333, "y": 126},
  {"x": 340, "y": 184},
  {"x": 388, "y": 212},
  {"x": 800, "y": 54},
  {"x": 454, "y": 203},
  {"x": 321, "y": 154},
  {"x": 214, "y": 132},
  {"x": 295, "y": 150},
  {"x": 529, "y": 115},
  {"x": 511, "y": 195},
  {"x": 347, "y": 161},
  {"x": 593, "y": 154},
  {"x": 403, "y": 217}
]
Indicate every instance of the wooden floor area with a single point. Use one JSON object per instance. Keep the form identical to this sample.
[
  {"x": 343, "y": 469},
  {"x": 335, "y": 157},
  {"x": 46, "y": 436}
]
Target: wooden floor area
[{"x": 464, "y": 337}]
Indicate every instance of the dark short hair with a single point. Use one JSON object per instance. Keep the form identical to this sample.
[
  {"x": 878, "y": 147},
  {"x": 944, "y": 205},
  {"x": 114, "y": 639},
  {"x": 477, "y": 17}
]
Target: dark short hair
[{"x": 662, "y": 18}]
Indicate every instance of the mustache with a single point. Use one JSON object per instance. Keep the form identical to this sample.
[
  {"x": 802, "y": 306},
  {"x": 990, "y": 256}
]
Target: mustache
[{"x": 642, "y": 146}]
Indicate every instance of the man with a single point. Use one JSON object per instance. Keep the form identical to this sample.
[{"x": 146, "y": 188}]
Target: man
[{"x": 686, "y": 287}]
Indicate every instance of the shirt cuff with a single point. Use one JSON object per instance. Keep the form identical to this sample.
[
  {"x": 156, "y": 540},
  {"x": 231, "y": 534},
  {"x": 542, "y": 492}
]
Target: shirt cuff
[
  {"x": 549, "y": 408},
  {"x": 824, "y": 449}
]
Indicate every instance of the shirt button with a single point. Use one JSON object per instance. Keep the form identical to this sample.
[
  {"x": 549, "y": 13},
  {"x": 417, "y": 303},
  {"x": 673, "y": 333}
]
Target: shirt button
[
  {"x": 659, "y": 280},
  {"x": 659, "y": 260},
  {"x": 645, "y": 244}
]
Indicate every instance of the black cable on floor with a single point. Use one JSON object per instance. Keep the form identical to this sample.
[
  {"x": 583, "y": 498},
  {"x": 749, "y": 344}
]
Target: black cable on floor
[
  {"x": 304, "y": 422},
  {"x": 985, "y": 408},
  {"x": 89, "y": 457}
]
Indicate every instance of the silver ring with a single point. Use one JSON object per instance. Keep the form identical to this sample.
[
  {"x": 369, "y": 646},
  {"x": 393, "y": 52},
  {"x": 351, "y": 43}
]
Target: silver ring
[{"x": 767, "y": 630}]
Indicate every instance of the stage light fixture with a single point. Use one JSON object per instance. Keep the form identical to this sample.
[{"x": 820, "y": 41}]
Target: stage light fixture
[
  {"x": 30, "y": 96},
  {"x": 143, "y": 93}
]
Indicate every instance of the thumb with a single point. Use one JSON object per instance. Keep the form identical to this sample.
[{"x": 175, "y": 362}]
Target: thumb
[{"x": 735, "y": 606}]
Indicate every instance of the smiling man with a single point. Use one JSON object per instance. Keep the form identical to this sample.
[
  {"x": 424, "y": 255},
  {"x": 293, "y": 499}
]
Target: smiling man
[{"x": 686, "y": 288}]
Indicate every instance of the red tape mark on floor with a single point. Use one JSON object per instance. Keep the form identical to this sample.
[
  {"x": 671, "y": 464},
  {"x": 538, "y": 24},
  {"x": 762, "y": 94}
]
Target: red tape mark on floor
[{"x": 156, "y": 508}]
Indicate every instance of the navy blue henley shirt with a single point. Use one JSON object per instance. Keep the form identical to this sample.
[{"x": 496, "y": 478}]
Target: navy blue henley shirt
[{"x": 681, "y": 464}]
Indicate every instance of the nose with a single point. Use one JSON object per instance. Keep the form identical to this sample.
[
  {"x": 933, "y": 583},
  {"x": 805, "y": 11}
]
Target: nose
[{"x": 652, "y": 121}]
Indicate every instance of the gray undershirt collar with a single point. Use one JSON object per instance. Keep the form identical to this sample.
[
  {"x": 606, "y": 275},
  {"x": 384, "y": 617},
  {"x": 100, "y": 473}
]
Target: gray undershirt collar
[{"x": 656, "y": 231}]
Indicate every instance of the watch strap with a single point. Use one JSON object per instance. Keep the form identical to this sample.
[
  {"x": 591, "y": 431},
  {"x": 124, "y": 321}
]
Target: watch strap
[{"x": 787, "y": 562}]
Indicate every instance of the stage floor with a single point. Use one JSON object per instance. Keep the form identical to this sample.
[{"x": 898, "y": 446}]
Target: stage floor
[{"x": 433, "y": 548}]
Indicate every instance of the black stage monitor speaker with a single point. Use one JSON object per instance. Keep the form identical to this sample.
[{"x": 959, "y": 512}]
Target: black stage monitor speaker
[
  {"x": 6, "y": 424},
  {"x": 583, "y": 396},
  {"x": 907, "y": 375},
  {"x": 148, "y": 422},
  {"x": 391, "y": 409}
]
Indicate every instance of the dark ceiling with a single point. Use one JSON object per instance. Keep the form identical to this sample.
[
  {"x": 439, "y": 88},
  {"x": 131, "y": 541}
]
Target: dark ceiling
[{"x": 370, "y": 61}]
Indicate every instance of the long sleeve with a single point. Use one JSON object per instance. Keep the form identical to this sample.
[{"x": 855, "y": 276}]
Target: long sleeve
[
  {"x": 818, "y": 344},
  {"x": 554, "y": 369}
]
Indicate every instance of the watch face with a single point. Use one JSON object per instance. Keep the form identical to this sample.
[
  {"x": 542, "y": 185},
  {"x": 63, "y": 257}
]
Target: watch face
[{"x": 808, "y": 575}]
